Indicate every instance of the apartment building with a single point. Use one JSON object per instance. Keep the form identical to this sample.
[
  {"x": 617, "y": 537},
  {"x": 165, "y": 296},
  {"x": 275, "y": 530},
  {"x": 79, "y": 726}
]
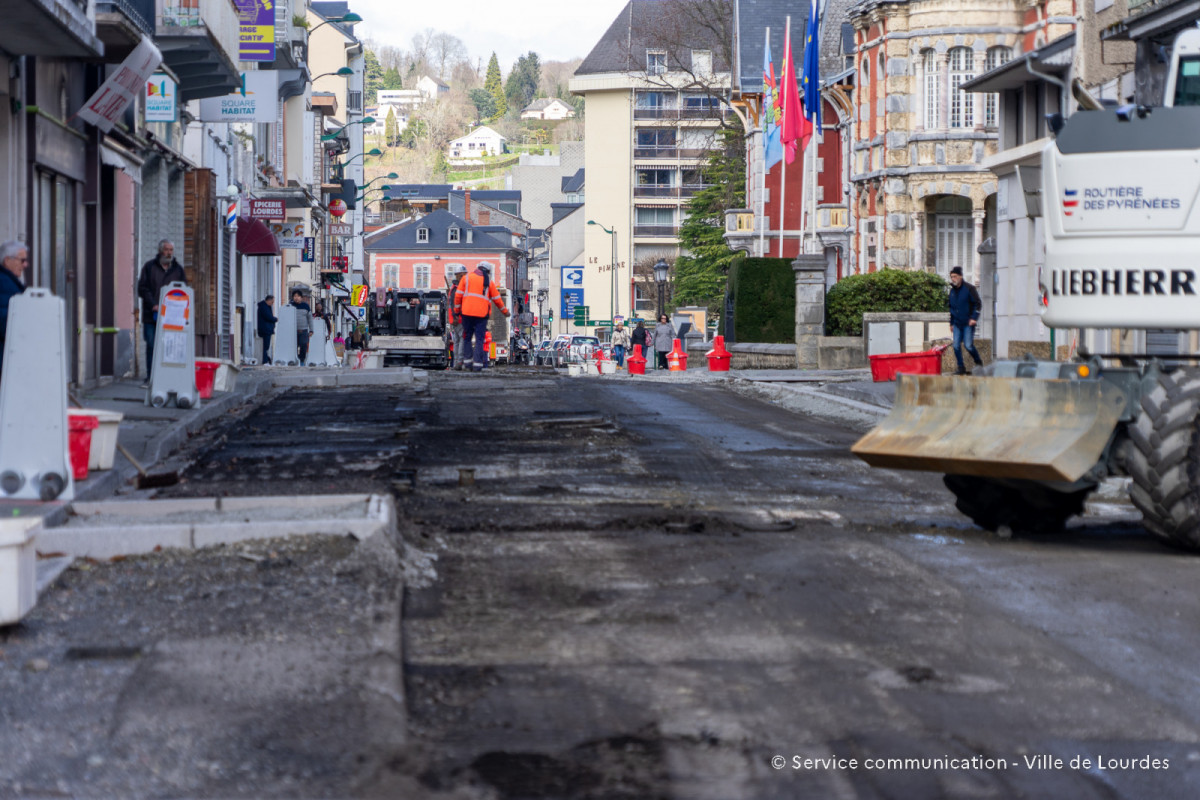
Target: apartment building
[{"x": 657, "y": 92}]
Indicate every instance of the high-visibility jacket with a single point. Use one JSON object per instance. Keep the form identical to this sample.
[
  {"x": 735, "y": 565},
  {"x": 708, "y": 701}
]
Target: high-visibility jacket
[{"x": 474, "y": 294}]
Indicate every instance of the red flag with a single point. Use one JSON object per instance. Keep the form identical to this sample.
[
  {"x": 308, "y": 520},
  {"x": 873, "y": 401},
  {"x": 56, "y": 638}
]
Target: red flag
[{"x": 793, "y": 124}]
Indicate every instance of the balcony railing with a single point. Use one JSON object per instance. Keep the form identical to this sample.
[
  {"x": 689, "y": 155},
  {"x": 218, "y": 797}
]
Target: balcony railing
[
  {"x": 215, "y": 18},
  {"x": 139, "y": 12},
  {"x": 665, "y": 231},
  {"x": 655, "y": 112},
  {"x": 656, "y": 191},
  {"x": 690, "y": 189},
  {"x": 709, "y": 112},
  {"x": 656, "y": 151}
]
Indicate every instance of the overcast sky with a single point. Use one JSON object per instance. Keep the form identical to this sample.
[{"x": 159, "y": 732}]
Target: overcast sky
[{"x": 557, "y": 30}]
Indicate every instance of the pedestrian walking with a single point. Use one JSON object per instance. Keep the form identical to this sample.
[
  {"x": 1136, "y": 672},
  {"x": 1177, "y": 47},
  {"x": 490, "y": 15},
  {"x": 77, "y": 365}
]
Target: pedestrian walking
[
  {"x": 14, "y": 256},
  {"x": 156, "y": 273},
  {"x": 303, "y": 325},
  {"x": 664, "y": 339},
  {"x": 620, "y": 341},
  {"x": 965, "y": 307},
  {"x": 266, "y": 325},
  {"x": 472, "y": 302},
  {"x": 453, "y": 319},
  {"x": 641, "y": 336}
]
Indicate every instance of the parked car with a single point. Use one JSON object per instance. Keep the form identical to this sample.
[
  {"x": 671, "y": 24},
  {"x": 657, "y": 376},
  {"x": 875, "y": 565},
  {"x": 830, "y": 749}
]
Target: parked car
[
  {"x": 544, "y": 354},
  {"x": 561, "y": 351},
  {"x": 581, "y": 348}
]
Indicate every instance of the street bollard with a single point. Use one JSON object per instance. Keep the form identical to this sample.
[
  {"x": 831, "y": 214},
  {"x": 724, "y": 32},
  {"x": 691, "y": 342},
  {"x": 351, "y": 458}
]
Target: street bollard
[
  {"x": 718, "y": 357},
  {"x": 677, "y": 358},
  {"x": 287, "y": 350},
  {"x": 174, "y": 372},
  {"x": 637, "y": 361},
  {"x": 35, "y": 461}
]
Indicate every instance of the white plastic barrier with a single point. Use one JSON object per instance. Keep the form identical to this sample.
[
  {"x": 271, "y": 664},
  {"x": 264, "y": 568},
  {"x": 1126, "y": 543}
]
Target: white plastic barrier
[
  {"x": 18, "y": 568},
  {"x": 174, "y": 373},
  {"x": 320, "y": 349},
  {"x": 35, "y": 462},
  {"x": 287, "y": 352}
]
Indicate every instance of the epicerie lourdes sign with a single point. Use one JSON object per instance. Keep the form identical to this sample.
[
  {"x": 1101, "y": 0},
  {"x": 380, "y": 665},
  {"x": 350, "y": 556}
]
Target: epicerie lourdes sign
[
  {"x": 256, "y": 101},
  {"x": 266, "y": 209}
]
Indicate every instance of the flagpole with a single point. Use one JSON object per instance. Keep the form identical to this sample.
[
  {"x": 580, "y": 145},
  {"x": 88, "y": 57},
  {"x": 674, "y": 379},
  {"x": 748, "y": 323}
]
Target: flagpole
[
  {"x": 787, "y": 64},
  {"x": 762, "y": 195}
]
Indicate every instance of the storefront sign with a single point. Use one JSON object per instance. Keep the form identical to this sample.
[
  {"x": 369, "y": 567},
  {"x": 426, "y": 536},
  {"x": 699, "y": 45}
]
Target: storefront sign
[
  {"x": 341, "y": 229},
  {"x": 267, "y": 209},
  {"x": 358, "y": 295},
  {"x": 308, "y": 253},
  {"x": 290, "y": 235},
  {"x": 257, "y": 37},
  {"x": 162, "y": 94},
  {"x": 106, "y": 106},
  {"x": 340, "y": 263},
  {"x": 256, "y": 101},
  {"x": 337, "y": 207}
]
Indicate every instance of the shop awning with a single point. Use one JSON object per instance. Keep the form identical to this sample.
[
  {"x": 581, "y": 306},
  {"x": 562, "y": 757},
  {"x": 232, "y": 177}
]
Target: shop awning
[{"x": 254, "y": 238}]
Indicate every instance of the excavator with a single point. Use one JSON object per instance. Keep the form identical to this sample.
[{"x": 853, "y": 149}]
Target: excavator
[{"x": 1023, "y": 442}]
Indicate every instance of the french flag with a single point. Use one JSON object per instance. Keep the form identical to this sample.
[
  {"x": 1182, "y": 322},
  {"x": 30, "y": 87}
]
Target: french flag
[{"x": 1069, "y": 201}]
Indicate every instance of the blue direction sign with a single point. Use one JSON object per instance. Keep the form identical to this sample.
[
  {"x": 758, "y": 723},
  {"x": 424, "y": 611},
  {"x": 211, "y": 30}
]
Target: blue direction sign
[{"x": 570, "y": 299}]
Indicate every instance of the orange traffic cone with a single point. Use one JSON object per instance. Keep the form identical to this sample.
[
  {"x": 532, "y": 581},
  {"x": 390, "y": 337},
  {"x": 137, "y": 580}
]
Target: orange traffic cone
[
  {"x": 677, "y": 358},
  {"x": 637, "y": 361}
]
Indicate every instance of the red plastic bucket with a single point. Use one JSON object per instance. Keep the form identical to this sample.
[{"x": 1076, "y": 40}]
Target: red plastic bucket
[
  {"x": 206, "y": 377},
  {"x": 887, "y": 367},
  {"x": 80, "y": 427}
]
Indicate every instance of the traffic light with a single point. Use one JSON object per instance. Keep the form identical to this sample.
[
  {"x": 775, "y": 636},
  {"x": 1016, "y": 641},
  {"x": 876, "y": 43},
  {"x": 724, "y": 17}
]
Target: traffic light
[{"x": 550, "y": 315}]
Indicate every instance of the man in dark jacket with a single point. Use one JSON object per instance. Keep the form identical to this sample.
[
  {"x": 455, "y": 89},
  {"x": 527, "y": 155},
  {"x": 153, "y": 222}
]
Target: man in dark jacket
[
  {"x": 14, "y": 256},
  {"x": 266, "y": 325},
  {"x": 156, "y": 273},
  {"x": 965, "y": 306}
]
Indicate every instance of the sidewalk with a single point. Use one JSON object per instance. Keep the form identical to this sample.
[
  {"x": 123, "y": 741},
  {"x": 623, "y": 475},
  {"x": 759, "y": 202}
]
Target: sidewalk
[{"x": 151, "y": 434}]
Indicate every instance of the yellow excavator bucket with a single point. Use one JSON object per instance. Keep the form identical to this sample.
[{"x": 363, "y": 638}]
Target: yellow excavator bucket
[{"x": 1050, "y": 430}]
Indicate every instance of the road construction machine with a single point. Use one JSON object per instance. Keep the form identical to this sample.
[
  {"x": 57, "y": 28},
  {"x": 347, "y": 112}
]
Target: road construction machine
[
  {"x": 408, "y": 327},
  {"x": 1023, "y": 443}
]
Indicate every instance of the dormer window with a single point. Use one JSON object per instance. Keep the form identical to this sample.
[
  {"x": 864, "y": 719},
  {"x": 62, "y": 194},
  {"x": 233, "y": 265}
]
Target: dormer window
[
  {"x": 656, "y": 62},
  {"x": 452, "y": 235},
  {"x": 470, "y": 237},
  {"x": 422, "y": 235}
]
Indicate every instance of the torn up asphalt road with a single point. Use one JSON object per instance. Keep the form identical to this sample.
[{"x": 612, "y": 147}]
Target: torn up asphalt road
[{"x": 638, "y": 589}]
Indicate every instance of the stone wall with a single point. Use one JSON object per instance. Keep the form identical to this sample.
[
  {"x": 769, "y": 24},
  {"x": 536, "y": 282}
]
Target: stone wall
[{"x": 746, "y": 356}]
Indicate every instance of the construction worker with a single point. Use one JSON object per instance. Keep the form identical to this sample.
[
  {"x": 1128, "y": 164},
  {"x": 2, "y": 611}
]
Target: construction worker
[
  {"x": 454, "y": 320},
  {"x": 472, "y": 302}
]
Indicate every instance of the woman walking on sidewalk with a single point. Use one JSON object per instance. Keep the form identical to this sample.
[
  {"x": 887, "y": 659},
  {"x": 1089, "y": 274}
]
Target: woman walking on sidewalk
[{"x": 664, "y": 339}]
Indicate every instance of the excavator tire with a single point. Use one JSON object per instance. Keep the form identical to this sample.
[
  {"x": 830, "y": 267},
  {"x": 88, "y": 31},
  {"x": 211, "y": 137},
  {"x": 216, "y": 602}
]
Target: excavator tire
[
  {"x": 1021, "y": 506},
  {"x": 1164, "y": 459}
]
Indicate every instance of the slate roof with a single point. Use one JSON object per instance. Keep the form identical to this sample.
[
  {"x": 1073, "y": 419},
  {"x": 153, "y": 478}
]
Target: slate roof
[
  {"x": 329, "y": 9},
  {"x": 402, "y": 237},
  {"x": 420, "y": 191},
  {"x": 573, "y": 183},
  {"x": 623, "y": 46},
  {"x": 491, "y": 195},
  {"x": 561, "y": 210}
]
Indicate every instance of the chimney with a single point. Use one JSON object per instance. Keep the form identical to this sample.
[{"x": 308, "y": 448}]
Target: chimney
[{"x": 467, "y": 209}]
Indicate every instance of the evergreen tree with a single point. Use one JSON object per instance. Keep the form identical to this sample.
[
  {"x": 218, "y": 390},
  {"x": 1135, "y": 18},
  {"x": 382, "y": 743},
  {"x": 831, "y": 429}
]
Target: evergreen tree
[
  {"x": 523, "y": 81},
  {"x": 391, "y": 128},
  {"x": 373, "y": 77},
  {"x": 700, "y": 272},
  {"x": 485, "y": 104},
  {"x": 392, "y": 79},
  {"x": 495, "y": 87}
]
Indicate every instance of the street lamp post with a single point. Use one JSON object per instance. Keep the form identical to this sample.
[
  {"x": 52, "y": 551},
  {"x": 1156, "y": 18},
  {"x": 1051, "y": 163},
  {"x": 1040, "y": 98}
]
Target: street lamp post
[
  {"x": 614, "y": 304},
  {"x": 661, "y": 270},
  {"x": 542, "y": 294},
  {"x": 348, "y": 19}
]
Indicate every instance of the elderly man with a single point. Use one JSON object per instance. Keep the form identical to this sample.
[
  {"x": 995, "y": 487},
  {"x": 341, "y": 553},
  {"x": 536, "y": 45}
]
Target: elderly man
[
  {"x": 156, "y": 273},
  {"x": 15, "y": 259}
]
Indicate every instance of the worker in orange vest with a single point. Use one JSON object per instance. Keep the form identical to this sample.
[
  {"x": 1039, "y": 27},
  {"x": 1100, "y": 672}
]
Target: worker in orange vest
[
  {"x": 457, "y": 273},
  {"x": 476, "y": 293}
]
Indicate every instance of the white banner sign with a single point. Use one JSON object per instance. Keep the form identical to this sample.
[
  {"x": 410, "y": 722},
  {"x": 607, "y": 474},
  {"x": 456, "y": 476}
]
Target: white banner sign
[
  {"x": 256, "y": 101},
  {"x": 112, "y": 98},
  {"x": 290, "y": 235},
  {"x": 340, "y": 229}
]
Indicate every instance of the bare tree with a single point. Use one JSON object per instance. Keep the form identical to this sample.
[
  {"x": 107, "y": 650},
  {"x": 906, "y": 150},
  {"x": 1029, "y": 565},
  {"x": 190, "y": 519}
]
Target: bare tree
[
  {"x": 682, "y": 31},
  {"x": 422, "y": 50},
  {"x": 445, "y": 50},
  {"x": 556, "y": 75}
]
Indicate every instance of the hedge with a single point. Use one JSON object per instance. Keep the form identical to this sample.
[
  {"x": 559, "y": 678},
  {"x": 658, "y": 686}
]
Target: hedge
[
  {"x": 886, "y": 290},
  {"x": 764, "y": 300}
]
